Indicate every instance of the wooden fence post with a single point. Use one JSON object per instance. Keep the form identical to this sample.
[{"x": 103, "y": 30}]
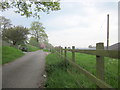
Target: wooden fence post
[
  {"x": 61, "y": 51},
  {"x": 58, "y": 50},
  {"x": 100, "y": 62},
  {"x": 65, "y": 53},
  {"x": 73, "y": 53}
]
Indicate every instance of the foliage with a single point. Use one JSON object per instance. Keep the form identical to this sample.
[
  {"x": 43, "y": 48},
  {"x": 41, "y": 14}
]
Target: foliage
[
  {"x": 16, "y": 35},
  {"x": 37, "y": 30},
  {"x": 48, "y": 45},
  {"x": 46, "y": 50},
  {"x": 9, "y": 54},
  {"x": 33, "y": 42},
  {"x": 31, "y": 8},
  {"x": 5, "y": 23},
  {"x": 32, "y": 48}
]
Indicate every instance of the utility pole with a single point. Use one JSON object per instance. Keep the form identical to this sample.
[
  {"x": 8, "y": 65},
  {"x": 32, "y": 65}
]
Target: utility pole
[{"x": 107, "y": 31}]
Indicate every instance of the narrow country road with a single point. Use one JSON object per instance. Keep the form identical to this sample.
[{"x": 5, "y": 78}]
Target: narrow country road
[{"x": 25, "y": 72}]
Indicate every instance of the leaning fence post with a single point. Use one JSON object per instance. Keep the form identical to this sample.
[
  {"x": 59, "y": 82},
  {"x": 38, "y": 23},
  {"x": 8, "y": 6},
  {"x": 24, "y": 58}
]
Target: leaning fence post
[
  {"x": 73, "y": 53},
  {"x": 100, "y": 62}
]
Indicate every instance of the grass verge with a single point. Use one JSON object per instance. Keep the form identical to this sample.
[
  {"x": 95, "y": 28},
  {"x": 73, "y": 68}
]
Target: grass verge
[
  {"x": 9, "y": 54},
  {"x": 32, "y": 48},
  {"x": 46, "y": 50},
  {"x": 58, "y": 77}
]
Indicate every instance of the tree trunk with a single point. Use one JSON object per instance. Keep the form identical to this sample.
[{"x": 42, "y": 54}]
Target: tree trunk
[
  {"x": 14, "y": 42},
  {"x": 37, "y": 40}
]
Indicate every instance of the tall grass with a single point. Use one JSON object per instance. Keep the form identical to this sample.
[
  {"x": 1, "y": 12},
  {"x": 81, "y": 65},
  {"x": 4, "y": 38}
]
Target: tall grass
[
  {"x": 58, "y": 77},
  {"x": 89, "y": 63},
  {"x": 56, "y": 73}
]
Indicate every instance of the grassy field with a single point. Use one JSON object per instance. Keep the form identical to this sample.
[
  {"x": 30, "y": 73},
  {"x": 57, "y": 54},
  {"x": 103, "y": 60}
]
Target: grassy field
[
  {"x": 59, "y": 78},
  {"x": 9, "y": 54},
  {"x": 32, "y": 48}
]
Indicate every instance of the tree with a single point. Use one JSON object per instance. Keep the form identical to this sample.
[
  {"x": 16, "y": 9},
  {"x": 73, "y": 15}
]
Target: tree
[
  {"x": 37, "y": 30},
  {"x": 48, "y": 45},
  {"x": 4, "y": 22},
  {"x": 33, "y": 42},
  {"x": 16, "y": 35},
  {"x": 30, "y": 8},
  {"x": 90, "y": 46}
]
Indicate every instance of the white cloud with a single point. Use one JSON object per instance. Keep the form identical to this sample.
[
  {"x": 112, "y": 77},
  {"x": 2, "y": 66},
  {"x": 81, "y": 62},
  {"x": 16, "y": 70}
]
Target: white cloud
[
  {"x": 66, "y": 21},
  {"x": 82, "y": 31},
  {"x": 85, "y": 1},
  {"x": 76, "y": 28}
]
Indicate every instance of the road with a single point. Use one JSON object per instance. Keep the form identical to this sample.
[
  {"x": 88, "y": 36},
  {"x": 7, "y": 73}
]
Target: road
[{"x": 25, "y": 72}]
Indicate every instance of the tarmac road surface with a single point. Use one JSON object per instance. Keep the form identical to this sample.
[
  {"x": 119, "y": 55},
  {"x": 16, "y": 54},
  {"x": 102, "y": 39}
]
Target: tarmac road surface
[{"x": 25, "y": 72}]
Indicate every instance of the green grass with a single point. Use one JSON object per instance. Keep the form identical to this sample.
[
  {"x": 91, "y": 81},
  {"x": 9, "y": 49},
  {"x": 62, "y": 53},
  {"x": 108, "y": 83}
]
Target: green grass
[
  {"x": 57, "y": 75},
  {"x": 9, "y": 54},
  {"x": 46, "y": 50},
  {"x": 32, "y": 48},
  {"x": 59, "y": 78},
  {"x": 89, "y": 63}
]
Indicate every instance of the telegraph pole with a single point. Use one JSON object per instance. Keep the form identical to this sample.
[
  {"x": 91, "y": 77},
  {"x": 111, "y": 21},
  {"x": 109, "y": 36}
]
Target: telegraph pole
[{"x": 107, "y": 31}]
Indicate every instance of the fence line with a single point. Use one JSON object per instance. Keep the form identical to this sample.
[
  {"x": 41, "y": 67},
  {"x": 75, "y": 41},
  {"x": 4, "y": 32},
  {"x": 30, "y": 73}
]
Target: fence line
[
  {"x": 105, "y": 53},
  {"x": 100, "y": 54}
]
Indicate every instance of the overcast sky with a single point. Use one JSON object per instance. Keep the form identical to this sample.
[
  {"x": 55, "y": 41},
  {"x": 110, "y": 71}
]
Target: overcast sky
[{"x": 79, "y": 22}]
